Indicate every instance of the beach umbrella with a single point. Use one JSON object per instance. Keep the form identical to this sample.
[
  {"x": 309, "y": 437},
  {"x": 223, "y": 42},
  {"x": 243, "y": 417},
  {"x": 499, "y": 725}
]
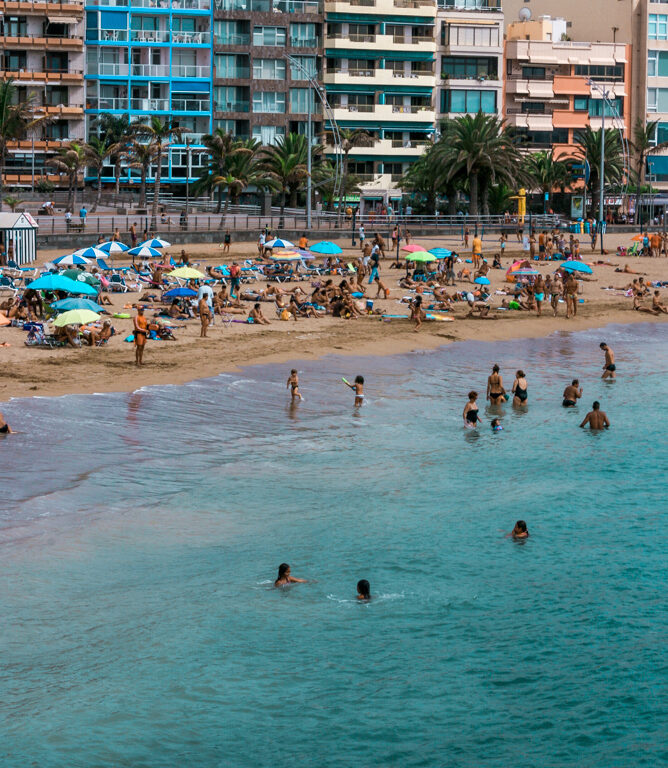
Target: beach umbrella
[
  {"x": 577, "y": 266},
  {"x": 440, "y": 253},
  {"x": 326, "y": 247},
  {"x": 81, "y": 277},
  {"x": 61, "y": 283},
  {"x": 179, "y": 293},
  {"x": 76, "y": 317},
  {"x": 305, "y": 255},
  {"x": 91, "y": 253},
  {"x": 420, "y": 256},
  {"x": 482, "y": 280},
  {"x": 637, "y": 238},
  {"x": 113, "y": 246},
  {"x": 154, "y": 242},
  {"x": 187, "y": 273},
  {"x": 278, "y": 243},
  {"x": 287, "y": 256},
  {"x": 70, "y": 260},
  {"x": 525, "y": 272},
  {"x": 64, "y": 305},
  {"x": 412, "y": 248},
  {"x": 144, "y": 252}
]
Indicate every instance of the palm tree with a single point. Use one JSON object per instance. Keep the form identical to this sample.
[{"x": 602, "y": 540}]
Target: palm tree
[
  {"x": 547, "y": 173},
  {"x": 589, "y": 149},
  {"x": 351, "y": 138},
  {"x": 285, "y": 164},
  {"x": 142, "y": 156},
  {"x": 97, "y": 150},
  {"x": 117, "y": 131},
  {"x": 221, "y": 148},
  {"x": 643, "y": 142},
  {"x": 16, "y": 119},
  {"x": 70, "y": 161},
  {"x": 160, "y": 134},
  {"x": 13, "y": 202}
]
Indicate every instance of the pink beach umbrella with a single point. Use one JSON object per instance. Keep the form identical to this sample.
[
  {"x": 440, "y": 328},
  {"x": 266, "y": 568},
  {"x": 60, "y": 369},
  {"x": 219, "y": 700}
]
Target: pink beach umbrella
[{"x": 412, "y": 248}]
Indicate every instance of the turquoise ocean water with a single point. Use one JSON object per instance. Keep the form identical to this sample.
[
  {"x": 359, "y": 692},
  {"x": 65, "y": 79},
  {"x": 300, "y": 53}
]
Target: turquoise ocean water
[{"x": 140, "y": 533}]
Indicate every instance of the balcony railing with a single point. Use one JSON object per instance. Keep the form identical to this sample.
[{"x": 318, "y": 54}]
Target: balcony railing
[
  {"x": 150, "y": 105},
  {"x": 304, "y": 42},
  {"x": 412, "y": 74},
  {"x": 356, "y": 107},
  {"x": 106, "y": 104},
  {"x": 109, "y": 35},
  {"x": 413, "y": 40},
  {"x": 190, "y": 105},
  {"x": 233, "y": 106},
  {"x": 150, "y": 70},
  {"x": 149, "y": 35},
  {"x": 187, "y": 5},
  {"x": 190, "y": 70},
  {"x": 109, "y": 69},
  {"x": 408, "y": 143},
  {"x": 269, "y": 6},
  {"x": 191, "y": 38},
  {"x": 353, "y": 37},
  {"x": 232, "y": 40},
  {"x": 364, "y": 3},
  {"x": 470, "y": 5},
  {"x": 238, "y": 73},
  {"x": 410, "y": 110},
  {"x": 411, "y": 3}
]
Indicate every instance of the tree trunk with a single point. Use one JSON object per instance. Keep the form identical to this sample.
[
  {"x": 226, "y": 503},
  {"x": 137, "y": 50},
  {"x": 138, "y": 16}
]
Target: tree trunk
[
  {"x": 473, "y": 195},
  {"x": 156, "y": 184},
  {"x": 142, "y": 187},
  {"x": 220, "y": 199},
  {"x": 451, "y": 192},
  {"x": 639, "y": 174},
  {"x": 484, "y": 195},
  {"x": 344, "y": 169},
  {"x": 70, "y": 195},
  {"x": 227, "y": 205},
  {"x": 2, "y": 175},
  {"x": 98, "y": 196},
  {"x": 117, "y": 174}
]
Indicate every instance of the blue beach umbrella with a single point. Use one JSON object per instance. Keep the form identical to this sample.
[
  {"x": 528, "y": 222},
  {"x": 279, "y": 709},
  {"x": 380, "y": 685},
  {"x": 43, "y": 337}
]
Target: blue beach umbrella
[
  {"x": 90, "y": 253},
  {"x": 61, "y": 283},
  {"x": 440, "y": 253},
  {"x": 278, "y": 243},
  {"x": 70, "y": 260},
  {"x": 180, "y": 293},
  {"x": 482, "y": 280},
  {"x": 326, "y": 247},
  {"x": 577, "y": 266},
  {"x": 65, "y": 305},
  {"x": 155, "y": 242},
  {"x": 144, "y": 251},
  {"x": 113, "y": 246}
]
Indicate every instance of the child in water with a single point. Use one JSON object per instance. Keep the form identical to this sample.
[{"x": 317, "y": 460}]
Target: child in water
[
  {"x": 363, "y": 590},
  {"x": 496, "y": 425},
  {"x": 293, "y": 381},
  {"x": 520, "y": 530},
  {"x": 358, "y": 386}
]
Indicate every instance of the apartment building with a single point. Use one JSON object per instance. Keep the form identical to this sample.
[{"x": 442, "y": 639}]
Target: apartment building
[
  {"x": 264, "y": 53},
  {"x": 654, "y": 64},
  {"x": 554, "y": 87},
  {"x": 42, "y": 52},
  {"x": 469, "y": 58},
  {"x": 379, "y": 76},
  {"x": 149, "y": 58}
]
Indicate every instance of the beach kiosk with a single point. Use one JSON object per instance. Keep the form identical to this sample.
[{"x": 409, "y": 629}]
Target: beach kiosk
[{"x": 18, "y": 238}]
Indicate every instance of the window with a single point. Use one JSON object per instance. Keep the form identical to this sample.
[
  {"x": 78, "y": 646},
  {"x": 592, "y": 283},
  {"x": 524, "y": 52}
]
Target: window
[
  {"x": 267, "y": 134},
  {"x": 269, "y": 36},
  {"x": 473, "y": 36},
  {"x": 468, "y": 101},
  {"x": 230, "y": 98},
  {"x": 657, "y": 27},
  {"x": 232, "y": 65},
  {"x": 581, "y": 103},
  {"x": 268, "y": 102},
  {"x": 615, "y": 72},
  {"x": 616, "y": 106},
  {"x": 661, "y": 133},
  {"x": 301, "y": 102},
  {"x": 468, "y": 67},
  {"x": 657, "y": 64},
  {"x": 56, "y": 96},
  {"x": 303, "y": 36},
  {"x": 533, "y": 73},
  {"x": 308, "y": 65},
  {"x": 533, "y": 108},
  {"x": 231, "y": 33},
  {"x": 268, "y": 69}
]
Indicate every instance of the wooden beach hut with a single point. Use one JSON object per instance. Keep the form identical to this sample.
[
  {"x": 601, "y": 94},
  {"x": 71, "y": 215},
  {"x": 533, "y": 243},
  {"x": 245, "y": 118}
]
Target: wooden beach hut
[{"x": 18, "y": 238}]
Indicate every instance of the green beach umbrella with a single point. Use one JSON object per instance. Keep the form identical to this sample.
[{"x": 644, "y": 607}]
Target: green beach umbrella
[
  {"x": 76, "y": 317},
  {"x": 421, "y": 256},
  {"x": 82, "y": 277}
]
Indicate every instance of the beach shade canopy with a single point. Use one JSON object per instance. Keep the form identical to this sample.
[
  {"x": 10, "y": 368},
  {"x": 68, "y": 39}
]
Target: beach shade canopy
[
  {"x": 326, "y": 247},
  {"x": 525, "y": 272},
  {"x": 81, "y": 277},
  {"x": 65, "y": 305},
  {"x": 180, "y": 293},
  {"x": 278, "y": 243},
  {"x": 154, "y": 242},
  {"x": 518, "y": 265},
  {"x": 440, "y": 253},
  {"x": 286, "y": 256},
  {"x": 144, "y": 252},
  {"x": 113, "y": 246},
  {"x": 482, "y": 280},
  {"x": 577, "y": 266},
  {"x": 637, "y": 238},
  {"x": 306, "y": 255},
  {"x": 412, "y": 248},
  {"x": 420, "y": 256},
  {"x": 76, "y": 317},
  {"x": 70, "y": 260},
  {"x": 187, "y": 273},
  {"x": 91, "y": 253},
  {"x": 61, "y": 283}
]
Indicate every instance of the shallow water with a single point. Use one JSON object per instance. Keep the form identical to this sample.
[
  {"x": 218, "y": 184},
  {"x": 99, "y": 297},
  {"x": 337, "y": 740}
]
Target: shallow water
[{"x": 140, "y": 533}]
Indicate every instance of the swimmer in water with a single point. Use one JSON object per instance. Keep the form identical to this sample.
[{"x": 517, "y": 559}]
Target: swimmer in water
[
  {"x": 572, "y": 394},
  {"x": 293, "y": 381},
  {"x": 5, "y": 429},
  {"x": 609, "y": 368},
  {"x": 285, "y": 578},
  {"x": 520, "y": 389},
  {"x": 363, "y": 590},
  {"x": 358, "y": 386},
  {"x": 597, "y": 419},
  {"x": 520, "y": 530},
  {"x": 470, "y": 414},
  {"x": 496, "y": 425}
]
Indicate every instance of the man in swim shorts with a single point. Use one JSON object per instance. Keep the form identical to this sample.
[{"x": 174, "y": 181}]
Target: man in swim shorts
[
  {"x": 597, "y": 419},
  {"x": 572, "y": 393},
  {"x": 609, "y": 368}
]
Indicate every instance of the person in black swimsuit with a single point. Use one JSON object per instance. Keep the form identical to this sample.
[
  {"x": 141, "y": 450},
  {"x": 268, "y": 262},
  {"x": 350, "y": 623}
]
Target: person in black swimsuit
[
  {"x": 495, "y": 390},
  {"x": 471, "y": 410},
  {"x": 520, "y": 389},
  {"x": 5, "y": 429},
  {"x": 572, "y": 393}
]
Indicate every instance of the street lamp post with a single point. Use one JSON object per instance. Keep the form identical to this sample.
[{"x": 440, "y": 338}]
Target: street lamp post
[
  {"x": 188, "y": 174},
  {"x": 309, "y": 180},
  {"x": 601, "y": 202}
]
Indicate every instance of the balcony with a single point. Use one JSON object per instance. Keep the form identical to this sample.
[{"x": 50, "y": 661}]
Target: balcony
[
  {"x": 232, "y": 40},
  {"x": 111, "y": 69},
  {"x": 73, "y": 77},
  {"x": 60, "y": 110},
  {"x": 148, "y": 35},
  {"x": 383, "y": 7},
  {"x": 67, "y": 8},
  {"x": 191, "y": 38},
  {"x": 378, "y": 43},
  {"x": 150, "y": 105},
  {"x": 378, "y": 77},
  {"x": 158, "y": 5},
  {"x": 191, "y": 71},
  {"x": 385, "y": 112},
  {"x": 232, "y": 106},
  {"x": 150, "y": 70},
  {"x": 238, "y": 73},
  {"x": 533, "y": 122},
  {"x": 271, "y": 6},
  {"x": 41, "y": 41},
  {"x": 110, "y": 104},
  {"x": 390, "y": 147},
  {"x": 537, "y": 89},
  {"x": 479, "y": 6},
  {"x": 304, "y": 42},
  {"x": 190, "y": 105}
]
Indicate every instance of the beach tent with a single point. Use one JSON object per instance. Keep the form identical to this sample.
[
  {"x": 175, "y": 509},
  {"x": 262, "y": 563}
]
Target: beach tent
[{"x": 19, "y": 230}]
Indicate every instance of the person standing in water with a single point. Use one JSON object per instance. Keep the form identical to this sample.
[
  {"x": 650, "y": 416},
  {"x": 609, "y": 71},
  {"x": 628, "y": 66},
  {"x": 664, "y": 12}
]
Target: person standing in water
[
  {"x": 495, "y": 391},
  {"x": 284, "y": 577},
  {"x": 609, "y": 368},
  {"x": 470, "y": 414},
  {"x": 358, "y": 387},
  {"x": 572, "y": 394},
  {"x": 5, "y": 429},
  {"x": 596, "y": 418},
  {"x": 293, "y": 381},
  {"x": 520, "y": 389},
  {"x": 363, "y": 590}
]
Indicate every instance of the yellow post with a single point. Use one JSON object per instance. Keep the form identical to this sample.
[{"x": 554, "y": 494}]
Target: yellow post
[{"x": 521, "y": 205}]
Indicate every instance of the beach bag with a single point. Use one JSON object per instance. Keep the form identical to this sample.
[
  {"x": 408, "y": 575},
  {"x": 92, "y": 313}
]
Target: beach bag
[{"x": 285, "y": 315}]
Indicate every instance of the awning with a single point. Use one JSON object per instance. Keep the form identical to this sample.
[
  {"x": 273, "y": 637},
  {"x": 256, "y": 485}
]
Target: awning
[{"x": 62, "y": 20}]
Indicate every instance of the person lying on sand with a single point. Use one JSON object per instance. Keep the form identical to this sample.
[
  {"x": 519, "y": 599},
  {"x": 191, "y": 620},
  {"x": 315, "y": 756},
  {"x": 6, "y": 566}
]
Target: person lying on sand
[{"x": 637, "y": 305}]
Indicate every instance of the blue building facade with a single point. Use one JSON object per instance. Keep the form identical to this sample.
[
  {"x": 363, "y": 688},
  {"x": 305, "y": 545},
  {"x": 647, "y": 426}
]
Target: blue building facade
[{"x": 148, "y": 58}]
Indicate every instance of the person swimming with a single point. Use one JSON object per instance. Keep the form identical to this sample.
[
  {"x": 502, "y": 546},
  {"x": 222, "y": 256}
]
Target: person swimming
[
  {"x": 5, "y": 429},
  {"x": 284, "y": 577},
  {"x": 572, "y": 393},
  {"x": 520, "y": 389},
  {"x": 496, "y": 425},
  {"x": 363, "y": 590},
  {"x": 470, "y": 414},
  {"x": 520, "y": 530}
]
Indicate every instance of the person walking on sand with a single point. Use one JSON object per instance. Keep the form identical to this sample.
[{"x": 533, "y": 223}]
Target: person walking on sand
[
  {"x": 227, "y": 239},
  {"x": 140, "y": 333},
  {"x": 476, "y": 251},
  {"x": 204, "y": 316},
  {"x": 609, "y": 367},
  {"x": 572, "y": 394},
  {"x": 596, "y": 418},
  {"x": 539, "y": 293},
  {"x": 417, "y": 313},
  {"x": 133, "y": 234}
]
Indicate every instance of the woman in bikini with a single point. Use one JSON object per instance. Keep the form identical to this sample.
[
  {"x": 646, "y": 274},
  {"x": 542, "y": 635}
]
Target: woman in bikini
[
  {"x": 495, "y": 390},
  {"x": 520, "y": 389},
  {"x": 284, "y": 577}
]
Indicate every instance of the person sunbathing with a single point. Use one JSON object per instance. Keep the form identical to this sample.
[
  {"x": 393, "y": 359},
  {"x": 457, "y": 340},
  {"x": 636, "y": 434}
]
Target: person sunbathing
[
  {"x": 255, "y": 316},
  {"x": 174, "y": 311},
  {"x": 216, "y": 273},
  {"x": 69, "y": 334},
  {"x": 637, "y": 305},
  {"x": 96, "y": 336},
  {"x": 464, "y": 274},
  {"x": 479, "y": 311},
  {"x": 303, "y": 309},
  {"x": 658, "y": 305}
]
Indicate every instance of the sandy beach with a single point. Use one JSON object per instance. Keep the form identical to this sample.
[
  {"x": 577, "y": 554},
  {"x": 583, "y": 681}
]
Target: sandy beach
[{"x": 44, "y": 372}]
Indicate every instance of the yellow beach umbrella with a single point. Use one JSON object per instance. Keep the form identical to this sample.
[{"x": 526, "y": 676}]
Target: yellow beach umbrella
[
  {"x": 187, "y": 273},
  {"x": 76, "y": 317}
]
